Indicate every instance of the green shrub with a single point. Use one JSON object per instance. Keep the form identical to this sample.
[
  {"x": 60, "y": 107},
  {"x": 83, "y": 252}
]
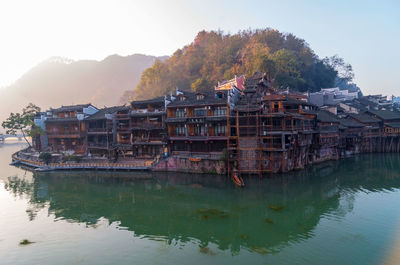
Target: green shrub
[
  {"x": 45, "y": 156},
  {"x": 77, "y": 159},
  {"x": 74, "y": 158}
]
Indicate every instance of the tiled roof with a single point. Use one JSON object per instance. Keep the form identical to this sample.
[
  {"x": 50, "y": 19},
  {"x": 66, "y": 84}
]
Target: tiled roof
[
  {"x": 326, "y": 116},
  {"x": 290, "y": 100},
  {"x": 385, "y": 115},
  {"x": 191, "y": 99},
  {"x": 102, "y": 112},
  {"x": 254, "y": 80},
  {"x": 355, "y": 104},
  {"x": 349, "y": 123},
  {"x": 393, "y": 124},
  {"x": 71, "y": 108},
  {"x": 61, "y": 119},
  {"x": 328, "y": 129},
  {"x": 364, "y": 117},
  {"x": 158, "y": 100},
  {"x": 365, "y": 101}
]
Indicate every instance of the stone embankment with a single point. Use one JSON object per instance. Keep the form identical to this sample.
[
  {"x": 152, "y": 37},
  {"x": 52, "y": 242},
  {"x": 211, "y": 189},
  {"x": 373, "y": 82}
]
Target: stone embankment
[
  {"x": 33, "y": 162},
  {"x": 172, "y": 163},
  {"x": 188, "y": 165}
]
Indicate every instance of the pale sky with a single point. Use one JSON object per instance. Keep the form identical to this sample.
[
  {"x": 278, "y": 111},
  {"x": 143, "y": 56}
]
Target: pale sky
[{"x": 365, "y": 33}]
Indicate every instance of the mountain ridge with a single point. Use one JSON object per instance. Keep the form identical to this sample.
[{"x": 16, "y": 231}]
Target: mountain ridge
[{"x": 60, "y": 81}]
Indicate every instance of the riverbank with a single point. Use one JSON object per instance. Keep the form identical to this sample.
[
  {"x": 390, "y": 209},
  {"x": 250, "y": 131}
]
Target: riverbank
[
  {"x": 200, "y": 165},
  {"x": 31, "y": 159},
  {"x": 169, "y": 164}
]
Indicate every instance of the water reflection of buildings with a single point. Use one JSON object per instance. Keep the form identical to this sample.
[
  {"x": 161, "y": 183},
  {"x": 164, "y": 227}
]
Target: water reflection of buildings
[{"x": 202, "y": 208}]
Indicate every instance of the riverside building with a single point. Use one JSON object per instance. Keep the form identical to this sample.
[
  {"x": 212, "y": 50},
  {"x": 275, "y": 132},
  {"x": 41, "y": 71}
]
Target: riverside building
[{"x": 244, "y": 125}]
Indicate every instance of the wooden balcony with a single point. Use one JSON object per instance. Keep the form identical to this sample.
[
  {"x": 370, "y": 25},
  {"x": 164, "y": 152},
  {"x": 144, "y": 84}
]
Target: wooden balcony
[
  {"x": 122, "y": 116},
  {"x": 124, "y": 128},
  {"x": 99, "y": 130},
  {"x": 147, "y": 126},
  {"x": 371, "y": 134},
  {"x": 63, "y": 134},
  {"x": 124, "y": 141},
  {"x": 149, "y": 141},
  {"x": 203, "y": 155},
  {"x": 98, "y": 145}
]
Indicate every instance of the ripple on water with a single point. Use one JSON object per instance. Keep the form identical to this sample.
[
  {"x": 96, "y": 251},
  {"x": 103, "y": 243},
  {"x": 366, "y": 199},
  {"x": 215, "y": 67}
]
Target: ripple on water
[{"x": 327, "y": 215}]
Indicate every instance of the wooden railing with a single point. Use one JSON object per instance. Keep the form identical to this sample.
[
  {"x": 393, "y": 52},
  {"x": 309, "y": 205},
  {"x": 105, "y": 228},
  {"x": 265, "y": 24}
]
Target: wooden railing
[
  {"x": 149, "y": 139},
  {"x": 148, "y": 125},
  {"x": 98, "y": 130},
  {"x": 91, "y": 144},
  {"x": 204, "y": 155},
  {"x": 62, "y": 132}
]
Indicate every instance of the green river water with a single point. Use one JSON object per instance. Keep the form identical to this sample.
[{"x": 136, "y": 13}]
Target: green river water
[{"x": 340, "y": 212}]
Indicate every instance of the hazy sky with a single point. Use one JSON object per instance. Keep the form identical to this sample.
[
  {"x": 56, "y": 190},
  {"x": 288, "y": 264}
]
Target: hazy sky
[{"x": 365, "y": 33}]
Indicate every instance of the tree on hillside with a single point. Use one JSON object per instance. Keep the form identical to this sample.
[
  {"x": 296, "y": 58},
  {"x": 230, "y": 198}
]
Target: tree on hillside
[
  {"x": 344, "y": 70},
  {"x": 345, "y": 73},
  {"x": 214, "y": 56},
  {"x": 126, "y": 97},
  {"x": 200, "y": 84},
  {"x": 23, "y": 123}
]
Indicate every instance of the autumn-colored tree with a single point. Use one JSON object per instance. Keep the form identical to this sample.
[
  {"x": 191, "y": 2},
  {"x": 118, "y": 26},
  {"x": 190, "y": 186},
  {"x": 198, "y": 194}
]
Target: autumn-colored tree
[{"x": 214, "y": 56}]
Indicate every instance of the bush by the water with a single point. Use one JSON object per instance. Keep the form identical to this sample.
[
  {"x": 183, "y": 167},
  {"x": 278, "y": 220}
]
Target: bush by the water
[
  {"x": 73, "y": 158},
  {"x": 45, "y": 156}
]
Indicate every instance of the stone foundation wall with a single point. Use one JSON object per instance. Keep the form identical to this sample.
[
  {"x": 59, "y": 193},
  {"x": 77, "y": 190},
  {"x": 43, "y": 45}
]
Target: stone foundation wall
[{"x": 179, "y": 164}]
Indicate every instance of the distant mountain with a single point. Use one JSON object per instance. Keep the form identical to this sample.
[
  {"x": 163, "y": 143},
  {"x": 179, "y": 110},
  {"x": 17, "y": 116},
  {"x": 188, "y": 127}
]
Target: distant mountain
[{"x": 59, "y": 81}]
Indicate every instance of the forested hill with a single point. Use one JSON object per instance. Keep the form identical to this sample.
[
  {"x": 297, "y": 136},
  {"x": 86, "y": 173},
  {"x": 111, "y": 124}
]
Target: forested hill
[{"x": 215, "y": 56}]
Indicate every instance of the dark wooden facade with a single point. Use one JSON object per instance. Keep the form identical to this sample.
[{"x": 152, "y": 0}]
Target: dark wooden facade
[
  {"x": 197, "y": 124},
  {"x": 255, "y": 129},
  {"x": 141, "y": 130},
  {"x": 269, "y": 131},
  {"x": 149, "y": 134},
  {"x": 101, "y": 132},
  {"x": 65, "y": 128}
]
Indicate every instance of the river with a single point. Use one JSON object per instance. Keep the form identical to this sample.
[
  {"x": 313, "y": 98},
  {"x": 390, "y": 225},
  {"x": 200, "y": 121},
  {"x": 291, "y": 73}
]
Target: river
[{"x": 339, "y": 212}]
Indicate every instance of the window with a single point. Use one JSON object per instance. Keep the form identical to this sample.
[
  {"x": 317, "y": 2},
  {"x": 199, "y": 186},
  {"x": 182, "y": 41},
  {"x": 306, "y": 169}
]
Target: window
[
  {"x": 199, "y": 129},
  {"x": 220, "y": 129},
  {"x": 180, "y": 113},
  {"x": 277, "y": 123},
  {"x": 180, "y": 130},
  {"x": 220, "y": 95},
  {"x": 200, "y": 112},
  {"x": 199, "y": 96},
  {"x": 267, "y": 122},
  {"x": 220, "y": 111}
]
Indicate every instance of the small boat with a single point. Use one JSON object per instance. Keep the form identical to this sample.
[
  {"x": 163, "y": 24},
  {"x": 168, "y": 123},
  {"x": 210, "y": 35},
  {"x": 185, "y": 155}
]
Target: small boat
[
  {"x": 195, "y": 159},
  {"x": 237, "y": 180}
]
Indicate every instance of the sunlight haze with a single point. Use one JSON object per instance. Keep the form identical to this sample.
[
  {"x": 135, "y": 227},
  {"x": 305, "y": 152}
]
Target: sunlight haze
[{"x": 33, "y": 31}]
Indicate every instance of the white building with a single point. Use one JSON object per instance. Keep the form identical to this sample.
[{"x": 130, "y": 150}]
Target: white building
[{"x": 331, "y": 96}]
